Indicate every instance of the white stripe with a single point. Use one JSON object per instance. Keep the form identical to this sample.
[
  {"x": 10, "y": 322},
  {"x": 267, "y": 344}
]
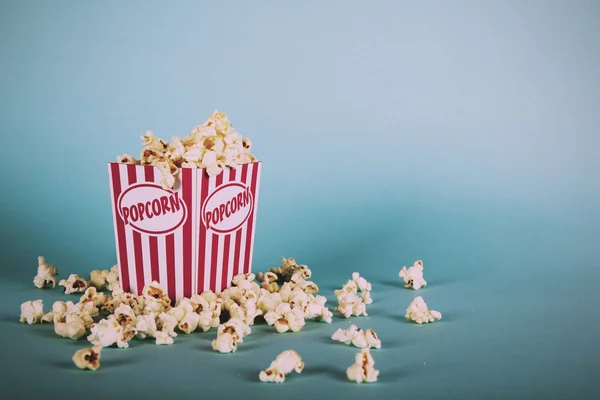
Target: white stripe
[
  {"x": 129, "y": 237},
  {"x": 115, "y": 216},
  {"x": 193, "y": 212},
  {"x": 231, "y": 264},
  {"x": 178, "y": 250},
  {"x": 212, "y": 181},
  {"x": 254, "y": 212}
]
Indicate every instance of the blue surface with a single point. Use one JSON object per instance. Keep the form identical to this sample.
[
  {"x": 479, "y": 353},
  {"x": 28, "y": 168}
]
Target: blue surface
[{"x": 465, "y": 134}]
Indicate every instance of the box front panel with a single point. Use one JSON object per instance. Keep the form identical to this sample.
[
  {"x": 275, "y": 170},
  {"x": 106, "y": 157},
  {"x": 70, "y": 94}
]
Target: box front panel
[
  {"x": 227, "y": 207},
  {"x": 154, "y": 229}
]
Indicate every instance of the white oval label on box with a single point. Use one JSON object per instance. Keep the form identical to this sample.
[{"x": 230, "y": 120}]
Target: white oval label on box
[
  {"x": 227, "y": 208},
  {"x": 148, "y": 208}
]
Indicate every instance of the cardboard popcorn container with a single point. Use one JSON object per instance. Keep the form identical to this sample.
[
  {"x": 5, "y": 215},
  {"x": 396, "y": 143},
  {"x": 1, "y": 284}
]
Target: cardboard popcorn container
[{"x": 190, "y": 239}]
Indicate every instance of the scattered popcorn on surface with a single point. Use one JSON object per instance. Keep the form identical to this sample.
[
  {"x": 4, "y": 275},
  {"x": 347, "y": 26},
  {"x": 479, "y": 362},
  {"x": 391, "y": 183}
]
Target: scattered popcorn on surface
[
  {"x": 284, "y": 364},
  {"x": 46, "y": 274},
  {"x": 413, "y": 276},
  {"x": 362, "y": 370},
  {"x": 229, "y": 334},
  {"x": 350, "y": 302},
  {"x": 418, "y": 312},
  {"x": 163, "y": 338},
  {"x": 70, "y": 325},
  {"x": 32, "y": 311},
  {"x": 108, "y": 332},
  {"x": 74, "y": 284},
  {"x": 358, "y": 337},
  {"x": 88, "y": 358},
  {"x": 98, "y": 279},
  {"x": 112, "y": 279}
]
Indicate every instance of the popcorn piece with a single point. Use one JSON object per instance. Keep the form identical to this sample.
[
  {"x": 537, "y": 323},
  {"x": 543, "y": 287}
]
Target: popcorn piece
[
  {"x": 289, "y": 267},
  {"x": 74, "y": 284},
  {"x": 190, "y": 320},
  {"x": 98, "y": 279},
  {"x": 229, "y": 334},
  {"x": 163, "y": 338},
  {"x": 225, "y": 341},
  {"x": 418, "y": 312},
  {"x": 108, "y": 331},
  {"x": 46, "y": 274},
  {"x": 146, "y": 326},
  {"x": 284, "y": 364},
  {"x": 155, "y": 291},
  {"x": 361, "y": 282},
  {"x": 268, "y": 301},
  {"x": 94, "y": 297},
  {"x": 167, "y": 323},
  {"x": 126, "y": 159},
  {"x": 112, "y": 279},
  {"x": 413, "y": 276},
  {"x": 32, "y": 311},
  {"x": 362, "y": 370},
  {"x": 69, "y": 326},
  {"x": 48, "y": 317},
  {"x": 88, "y": 358},
  {"x": 350, "y": 302},
  {"x": 268, "y": 281},
  {"x": 356, "y": 336},
  {"x": 285, "y": 318}
]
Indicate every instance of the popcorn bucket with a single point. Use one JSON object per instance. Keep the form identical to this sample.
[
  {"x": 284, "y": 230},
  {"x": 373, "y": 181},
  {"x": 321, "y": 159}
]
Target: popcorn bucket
[{"x": 190, "y": 239}]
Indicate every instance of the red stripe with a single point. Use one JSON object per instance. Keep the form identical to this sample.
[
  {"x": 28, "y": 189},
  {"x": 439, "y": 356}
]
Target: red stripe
[
  {"x": 186, "y": 187},
  {"x": 215, "y": 245},
  {"x": 202, "y": 232},
  {"x": 137, "y": 239},
  {"x": 121, "y": 243},
  {"x": 149, "y": 175},
  {"x": 226, "y": 246},
  {"x": 170, "y": 245},
  {"x": 249, "y": 232},
  {"x": 238, "y": 235}
]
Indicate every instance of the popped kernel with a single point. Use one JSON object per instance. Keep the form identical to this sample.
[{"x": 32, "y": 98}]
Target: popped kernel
[
  {"x": 126, "y": 159},
  {"x": 112, "y": 279},
  {"x": 363, "y": 368},
  {"x": 88, "y": 358},
  {"x": 418, "y": 312},
  {"x": 357, "y": 337},
  {"x": 350, "y": 301},
  {"x": 413, "y": 276},
  {"x": 98, "y": 279},
  {"x": 32, "y": 311},
  {"x": 46, "y": 274},
  {"x": 69, "y": 326},
  {"x": 163, "y": 338},
  {"x": 284, "y": 364},
  {"x": 74, "y": 284}
]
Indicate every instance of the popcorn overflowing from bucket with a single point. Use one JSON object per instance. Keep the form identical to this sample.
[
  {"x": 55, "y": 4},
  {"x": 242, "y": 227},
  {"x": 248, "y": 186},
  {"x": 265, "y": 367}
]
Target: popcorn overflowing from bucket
[{"x": 214, "y": 145}]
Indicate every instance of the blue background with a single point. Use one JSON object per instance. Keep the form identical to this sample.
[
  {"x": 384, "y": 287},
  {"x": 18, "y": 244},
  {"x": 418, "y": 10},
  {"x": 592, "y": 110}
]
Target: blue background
[{"x": 461, "y": 133}]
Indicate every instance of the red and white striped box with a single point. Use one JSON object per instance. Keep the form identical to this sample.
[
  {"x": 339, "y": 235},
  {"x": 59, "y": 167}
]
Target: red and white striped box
[{"x": 191, "y": 239}]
